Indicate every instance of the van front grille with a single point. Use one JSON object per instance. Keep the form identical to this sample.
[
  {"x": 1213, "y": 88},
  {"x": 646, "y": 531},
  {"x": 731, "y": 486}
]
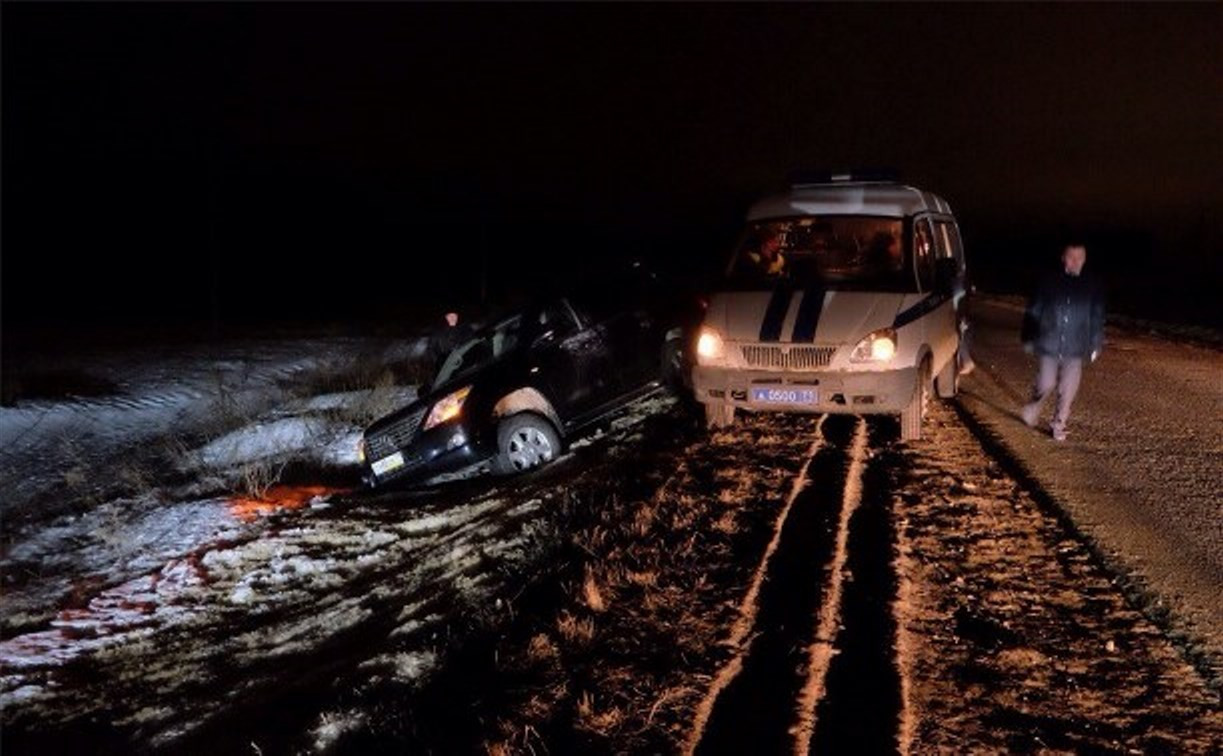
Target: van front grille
[{"x": 777, "y": 357}]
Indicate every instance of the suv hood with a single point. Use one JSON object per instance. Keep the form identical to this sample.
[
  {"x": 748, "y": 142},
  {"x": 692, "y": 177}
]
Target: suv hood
[{"x": 804, "y": 316}]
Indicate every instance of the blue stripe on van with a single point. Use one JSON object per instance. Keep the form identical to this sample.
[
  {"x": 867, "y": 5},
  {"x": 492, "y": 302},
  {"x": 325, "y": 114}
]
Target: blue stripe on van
[
  {"x": 775, "y": 315},
  {"x": 808, "y": 315},
  {"x": 926, "y": 305}
]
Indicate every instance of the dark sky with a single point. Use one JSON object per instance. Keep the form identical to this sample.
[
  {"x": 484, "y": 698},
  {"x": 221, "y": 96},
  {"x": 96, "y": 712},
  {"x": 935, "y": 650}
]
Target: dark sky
[{"x": 339, "y": 162}]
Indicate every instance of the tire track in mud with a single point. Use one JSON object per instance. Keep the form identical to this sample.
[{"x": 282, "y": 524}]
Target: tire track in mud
[
  {"x": 859, "y": 710},
  {"x": 820, "y": 674},
  {"x": 754, "y": 712},
  {"x": 750, "y": 606},
  {"x": 691, "y": 499}
]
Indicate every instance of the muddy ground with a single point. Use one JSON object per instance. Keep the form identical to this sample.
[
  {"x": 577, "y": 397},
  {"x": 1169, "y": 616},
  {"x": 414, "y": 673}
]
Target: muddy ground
[
  {"x": 791, "y": 584},
  {"x": 804, "y": 586}
]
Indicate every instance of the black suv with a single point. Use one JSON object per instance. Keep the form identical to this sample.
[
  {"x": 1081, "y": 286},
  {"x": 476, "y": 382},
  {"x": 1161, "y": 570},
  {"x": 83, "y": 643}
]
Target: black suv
[{"x": 516, "y": 390}]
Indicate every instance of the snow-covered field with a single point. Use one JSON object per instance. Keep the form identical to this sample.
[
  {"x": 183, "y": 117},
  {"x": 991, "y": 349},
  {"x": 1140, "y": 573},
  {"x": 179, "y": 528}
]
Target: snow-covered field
[
  {"x": 209, "y": 573},
  {"x": 164, "y": 403},
  {"x": 101, "y": 489}
]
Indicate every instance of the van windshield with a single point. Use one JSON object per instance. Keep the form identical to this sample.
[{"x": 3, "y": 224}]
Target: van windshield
[
  {"x": 837, "y": 252},
  {"x": 487, "y": 346}
]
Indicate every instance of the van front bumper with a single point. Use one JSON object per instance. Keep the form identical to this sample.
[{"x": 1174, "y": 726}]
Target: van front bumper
[{"x": 837, "y": 392}]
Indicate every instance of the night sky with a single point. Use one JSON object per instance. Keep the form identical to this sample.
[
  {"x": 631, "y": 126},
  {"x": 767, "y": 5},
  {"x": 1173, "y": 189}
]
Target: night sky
[{"x": 197, "y": 164}]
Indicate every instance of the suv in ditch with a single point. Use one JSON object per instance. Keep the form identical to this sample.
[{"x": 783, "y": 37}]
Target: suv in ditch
[
  {"x": 514, "y": 392},
  {"x": 840, "y": 297}
]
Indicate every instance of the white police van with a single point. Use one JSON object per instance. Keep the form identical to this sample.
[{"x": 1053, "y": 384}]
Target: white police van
[{"x": 838, "y": 299}]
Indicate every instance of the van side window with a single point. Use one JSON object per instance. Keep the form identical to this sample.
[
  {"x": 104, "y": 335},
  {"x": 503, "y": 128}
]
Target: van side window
[
  {"x": 957, "y": 245},
  {"x": 923, "y": 253},
  {"x": 949, "y": 238},
  {"x": 943, "y": 242}
]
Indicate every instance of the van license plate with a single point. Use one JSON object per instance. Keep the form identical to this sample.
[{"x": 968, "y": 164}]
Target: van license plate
[
  {"x": 782, "y": 395},
  {"x": 387, "y": 464}
]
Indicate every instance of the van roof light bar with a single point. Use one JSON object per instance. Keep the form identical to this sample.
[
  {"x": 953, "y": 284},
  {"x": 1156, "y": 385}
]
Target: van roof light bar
[{"x": 802, "y": 178}]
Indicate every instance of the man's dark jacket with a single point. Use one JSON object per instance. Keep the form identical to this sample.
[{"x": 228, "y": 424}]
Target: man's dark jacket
[
  {"x": 1065, "y": 318},
  {"x": 444, "y": 339}
]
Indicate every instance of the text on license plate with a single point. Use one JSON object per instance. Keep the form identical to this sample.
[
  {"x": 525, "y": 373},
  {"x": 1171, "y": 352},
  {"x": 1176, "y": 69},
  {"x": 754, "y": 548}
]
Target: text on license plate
[
  {"x": 777, "y": 395},
  {"x": 386, "y": 464}
]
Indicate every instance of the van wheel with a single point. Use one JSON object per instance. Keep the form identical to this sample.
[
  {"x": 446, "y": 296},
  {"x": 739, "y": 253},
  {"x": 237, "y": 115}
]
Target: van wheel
[
  {"x": 914, "y": 413},
  {"x": 719, "y": 415},
  {"x": 525, "y": 441},
  {"x": 948, "y": 382}
]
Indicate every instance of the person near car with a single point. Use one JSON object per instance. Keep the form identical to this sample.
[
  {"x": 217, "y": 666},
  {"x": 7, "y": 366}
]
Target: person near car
[
  {"x": 445, "y": 338},
  {"x": 1064, "y": 327}
]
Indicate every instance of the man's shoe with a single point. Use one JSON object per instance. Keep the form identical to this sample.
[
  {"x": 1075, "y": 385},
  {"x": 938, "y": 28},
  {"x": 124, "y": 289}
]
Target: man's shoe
[
  {"x": 1059, "y": 434},
  {"x": 1029, "y": 414}
]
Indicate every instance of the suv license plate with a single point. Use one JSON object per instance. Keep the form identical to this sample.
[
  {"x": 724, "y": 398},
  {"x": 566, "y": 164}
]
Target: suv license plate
[
  {"x": 387, "y": 464},
  {"x": 782, "y": 395}
]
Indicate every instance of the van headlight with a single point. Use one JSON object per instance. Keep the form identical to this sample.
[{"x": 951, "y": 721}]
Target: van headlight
[
  {"x": 877, "y": 346},
  {"x": 709, "y": 346},
  {"x": 447, "y": 408}
]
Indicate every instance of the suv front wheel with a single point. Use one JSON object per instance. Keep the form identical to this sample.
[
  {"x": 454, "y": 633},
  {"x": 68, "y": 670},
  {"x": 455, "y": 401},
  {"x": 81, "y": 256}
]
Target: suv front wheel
[{"x": 524, "y": 442}]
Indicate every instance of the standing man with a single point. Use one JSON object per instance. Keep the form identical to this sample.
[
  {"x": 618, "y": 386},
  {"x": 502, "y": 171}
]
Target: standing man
[
  {"x": 445, "y": 339},
  {"x": 1063, "y": 326}
]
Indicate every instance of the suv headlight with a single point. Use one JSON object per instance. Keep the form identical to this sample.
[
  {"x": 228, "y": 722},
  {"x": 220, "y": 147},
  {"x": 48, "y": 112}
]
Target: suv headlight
[
  {"x": 447, "y": 408},
  {"x": 709, "y": 346},
  {"x": 877, "y": 346}
]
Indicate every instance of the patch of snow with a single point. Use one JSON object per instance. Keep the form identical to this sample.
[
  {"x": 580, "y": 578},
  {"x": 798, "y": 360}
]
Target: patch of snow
[
  {"x": 410, "y": 666},
  {"x": 435, "y": 523},
  {"x": 333, "y": 725},
  {"x": 348, "y": 402},
  {"x": 24, "y": 693},
  {"x": 341, "y": 451},
  {"x": 263, "y": 440}
]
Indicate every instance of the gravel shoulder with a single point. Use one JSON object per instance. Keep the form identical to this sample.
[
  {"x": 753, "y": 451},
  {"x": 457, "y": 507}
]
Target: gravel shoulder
[
  {"x": 1014, "y": 637},
  {"x": 1141, "y": 476}
]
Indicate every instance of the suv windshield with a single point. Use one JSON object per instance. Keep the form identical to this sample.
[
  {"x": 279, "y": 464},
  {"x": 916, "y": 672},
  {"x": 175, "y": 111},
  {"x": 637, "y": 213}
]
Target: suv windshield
[
  {"x": 837, "y": 252},
  {"x": 487, "y": 346}
]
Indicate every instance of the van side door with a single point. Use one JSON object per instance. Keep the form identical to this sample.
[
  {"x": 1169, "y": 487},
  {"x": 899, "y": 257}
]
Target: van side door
[{"x": 942, "y": 327}]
